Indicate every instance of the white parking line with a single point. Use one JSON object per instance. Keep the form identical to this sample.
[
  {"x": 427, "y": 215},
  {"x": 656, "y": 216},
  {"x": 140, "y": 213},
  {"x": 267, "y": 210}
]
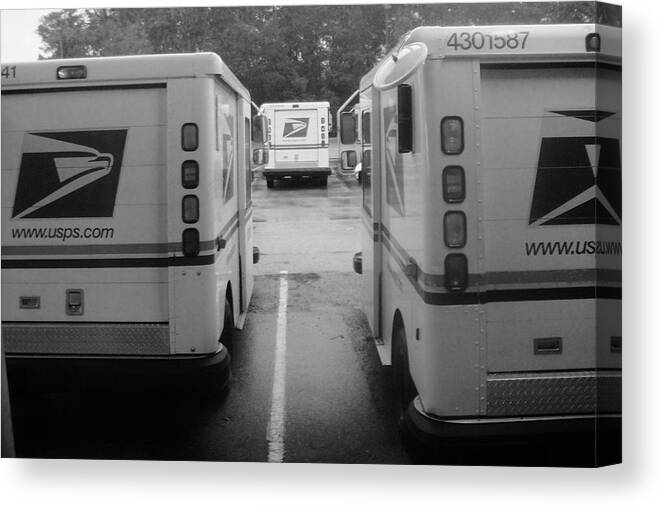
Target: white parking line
[{"x": 275, "y": 434}]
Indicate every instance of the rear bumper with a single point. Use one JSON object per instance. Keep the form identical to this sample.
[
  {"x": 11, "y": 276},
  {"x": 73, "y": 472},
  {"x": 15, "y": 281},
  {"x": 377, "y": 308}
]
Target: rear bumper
[
  {"x": 437, "y": 432},
  {"x": 131, "y": 372},
  {"x": 294, "y": 172}
]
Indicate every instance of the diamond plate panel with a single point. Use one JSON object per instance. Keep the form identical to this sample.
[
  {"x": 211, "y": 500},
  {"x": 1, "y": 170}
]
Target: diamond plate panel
[
  {"x": 553, "y": 394},
  {"x": 88, "y": 339}
]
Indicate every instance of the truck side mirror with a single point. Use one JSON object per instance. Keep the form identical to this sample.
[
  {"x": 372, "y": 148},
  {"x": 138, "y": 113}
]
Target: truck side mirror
[
  {"x": 255, "y": 255},
  {"x": 358, "y": 263},
  {"x": 404, "y": 118},
  {"x": 349, "y": 159},
  {"x": 347, "y": 128},
  {"x": 259, "y": 129},
  {"x": 260, "y": 156}
]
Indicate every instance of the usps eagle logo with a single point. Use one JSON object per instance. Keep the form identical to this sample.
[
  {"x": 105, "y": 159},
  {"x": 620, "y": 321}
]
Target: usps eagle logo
[
  {"x": 579, "y": 174},
  {"x": 69, "y": 174},
  {"x": 295, "y": 127}
]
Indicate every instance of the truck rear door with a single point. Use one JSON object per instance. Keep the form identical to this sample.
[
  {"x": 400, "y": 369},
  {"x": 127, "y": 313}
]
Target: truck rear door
[
  {"x": 297, "y": 137},
  {"x": 85, "y": 204},
  {"x": 552, "y": 215}
]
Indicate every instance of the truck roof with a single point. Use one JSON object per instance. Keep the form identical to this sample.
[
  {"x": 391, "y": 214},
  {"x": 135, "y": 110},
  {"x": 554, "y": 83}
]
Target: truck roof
[
  {"x": 138, "y": 68},
  {"x": 508, "y": 44},
  {"x": 563, "y": 41}
]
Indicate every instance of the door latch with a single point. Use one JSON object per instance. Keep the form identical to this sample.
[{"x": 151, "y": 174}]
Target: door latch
[{"x": 74, "y": 302}]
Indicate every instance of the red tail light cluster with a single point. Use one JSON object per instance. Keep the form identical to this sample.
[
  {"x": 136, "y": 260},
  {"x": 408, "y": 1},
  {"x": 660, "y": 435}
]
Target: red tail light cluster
[
  {"x": 456, "y": 272},
  {"x": 190, "y": 174},
  {"x": 454, "y": 184},
  {"x": 190, "y": 179},
  {"x": 454, "y": 192},
  {"x": 191, "y": 242},
  {"x": 190, "y": 209},
  {"x": 189, "y": 137},
  {"x": 452, "y": 135},
  {"x": 323, "y": 131},
  {"x": 454, "y": 229}
]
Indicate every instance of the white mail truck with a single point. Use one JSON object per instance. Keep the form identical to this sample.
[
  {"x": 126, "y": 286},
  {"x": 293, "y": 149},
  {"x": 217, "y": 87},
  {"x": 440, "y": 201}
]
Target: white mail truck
[
  {"x": 491, "y": 243},
  {"x": 127, "y": 240},
  {"x": 297, "y": 141}
]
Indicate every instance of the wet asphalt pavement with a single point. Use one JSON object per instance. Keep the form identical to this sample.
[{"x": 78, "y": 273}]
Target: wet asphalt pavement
[{"x": 337, "y": 407}]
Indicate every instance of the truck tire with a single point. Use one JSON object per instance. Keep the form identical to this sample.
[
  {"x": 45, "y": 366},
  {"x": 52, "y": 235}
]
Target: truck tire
[
  {"x": 269, "y": 182},
  {"x": 403, "y": 388},
  {"x": 227, "y": 336},
  {"x": 405, "y": 392},
  {"x": 323, "y": 180}
]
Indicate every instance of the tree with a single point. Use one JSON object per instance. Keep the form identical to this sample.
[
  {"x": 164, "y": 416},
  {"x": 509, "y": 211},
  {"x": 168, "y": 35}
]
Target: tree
[
  {"x": 115, "y": 32},
  {"x": 64, "y": 34},
  {"x": 289, "y": 53}
]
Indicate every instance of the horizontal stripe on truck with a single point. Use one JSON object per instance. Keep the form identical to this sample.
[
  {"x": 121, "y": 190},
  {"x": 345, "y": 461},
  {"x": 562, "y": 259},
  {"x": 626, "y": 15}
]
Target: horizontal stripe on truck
[
  {"x": 552, "y": 65},
  {"x": 154, "y": 262},
  {"x": 83, "y": 88},
  {"x": 128, "y": 262},
  {"x": 502, "y": 295}
]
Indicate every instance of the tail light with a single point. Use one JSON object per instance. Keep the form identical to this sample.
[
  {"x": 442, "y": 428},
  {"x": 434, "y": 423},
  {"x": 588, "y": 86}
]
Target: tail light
[
  {"x": 190, "y": 174},
  {"x": 190, "y": 209},
  {"x": 452, "y": 135},
  {"x": 593, "y": 43},
  {"x": 454, "y": 184},
  {"x": 189, "y": 137},
  {"x": 456, "y": 272},
  {"x": 190, "y": 240},
  {"x": 454, "y": 229},
  {"x": 72, "y": 72}
]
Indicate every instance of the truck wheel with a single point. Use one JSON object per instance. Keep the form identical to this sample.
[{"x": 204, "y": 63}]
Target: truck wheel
[
  {"x": 269, "y": 182},
  {"x": 404, "y": 388},
  {"x": 226, "y": 337},
  {"x": 323, "y": 180},
  {"x": 405, "y": 392}
]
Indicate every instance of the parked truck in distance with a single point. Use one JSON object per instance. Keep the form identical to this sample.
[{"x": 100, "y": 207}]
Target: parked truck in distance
[{"x": 297, "y": 141}]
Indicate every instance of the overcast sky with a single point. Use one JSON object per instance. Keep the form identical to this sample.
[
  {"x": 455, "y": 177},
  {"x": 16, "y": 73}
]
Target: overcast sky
[{"x": 18, "y": 29}]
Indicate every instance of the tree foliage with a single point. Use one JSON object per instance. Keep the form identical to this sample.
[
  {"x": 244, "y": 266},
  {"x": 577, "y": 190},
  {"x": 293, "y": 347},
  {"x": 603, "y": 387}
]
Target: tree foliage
[{"x": 286, "y": 53}]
